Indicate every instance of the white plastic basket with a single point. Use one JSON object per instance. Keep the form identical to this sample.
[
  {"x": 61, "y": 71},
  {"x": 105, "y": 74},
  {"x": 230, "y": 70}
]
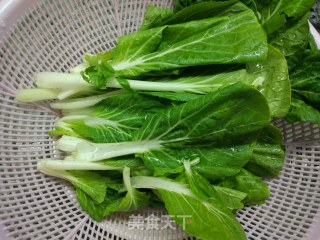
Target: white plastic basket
[{"x": 53, "y": 36}]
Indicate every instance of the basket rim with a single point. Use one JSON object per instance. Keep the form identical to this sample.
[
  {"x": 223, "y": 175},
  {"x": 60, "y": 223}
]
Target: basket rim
[
  {"x": 11, "y": 11},
  {"x": 4, "y": 233}
]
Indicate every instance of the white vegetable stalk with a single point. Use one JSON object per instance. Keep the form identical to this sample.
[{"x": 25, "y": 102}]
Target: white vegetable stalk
[
  {"x": 58, "y": 165},
  {"x": 127, "y": 180},
  {"x": 160, "y": 183},
  {"x": 97, "y": 151},
  {"x": 36, "y": 94},
  {"x": 187, "y": 165},
  {"x": 39, "y": 94},
  {"x": 68, "y": 81},
  {"x": 161, "y": 86},
  {"x": 44, "y": 168},
  {"x": 68, "y": 143},
  {"x": 60, "y": 80}
]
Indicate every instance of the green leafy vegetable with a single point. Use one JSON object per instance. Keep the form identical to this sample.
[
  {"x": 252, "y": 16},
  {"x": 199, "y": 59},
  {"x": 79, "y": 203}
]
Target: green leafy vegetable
[
  {"x": 207, "y": 41},
  {"x": 268, "y": 153},
  {"x": 190, "y": 128},
  {"x": 214, "y": 163},
  {"x": 98, "y": 211},
  {"x": 272, "y": 79},
  {"x": 134, "y": 199},
  {"x": 206, "y": 220},
  {"x": 225, "y": 115},
  {"x": 257, "y": 191},
  {"x": 112, "y": 120},
  {"x": 154, "y": 16},
  {"x": 300, "y": 111},
  {"x": 89, "y": 182}
]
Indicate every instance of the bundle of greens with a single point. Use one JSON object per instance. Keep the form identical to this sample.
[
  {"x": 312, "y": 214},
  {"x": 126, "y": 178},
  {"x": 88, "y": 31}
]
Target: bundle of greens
[{"x": 179, "y": 114}]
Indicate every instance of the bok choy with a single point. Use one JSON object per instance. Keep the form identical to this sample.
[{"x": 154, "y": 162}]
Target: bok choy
[{"x": 180, "y": 113}]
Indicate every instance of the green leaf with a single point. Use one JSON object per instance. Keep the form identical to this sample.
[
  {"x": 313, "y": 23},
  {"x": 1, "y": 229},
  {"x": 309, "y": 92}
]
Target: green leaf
[
  {"x": 98, "y": 75},
  {"x": 154, "y": 16},
  {"x": 213, "y": 45},
  {"x": 190, "y": 10},
  {"x": 230, "y": 198},
  {"x": 201, "y": 187},
  {"x": 300, "y": 111},
  {"x": 125, "y": 84},
  {"x": 235, "y": 113},
  {"x": 197, "y": 184},
  {"x": 199, "y": 80},
  {"x": 268, "y": 153},
  {"x": 112, "y": 120},
  {"x": 215, "y": 163},
  {"x": 178, "y": 32},
  {"x": 272, "y": 80},
  {"x": 273, "y": 15},
  {"x": 98, "y": 211},
  {"x": 134, "y": 199},
  {"x": 227, "y": 114},
  {"x": 89, "y": 182},
  {"x": 257, "y": 191},
  {"x": 202, "y": 219},
  {"x": 93, "y": 60},
  {"x": 174, "y": 96},
  {"x": 305, "y": 82},
  {"x": 132, "y": 46},
  {"x": 205, "y": 79},
  {"x": 298, "y": 8},
  {"x": 293, "y": 38}
]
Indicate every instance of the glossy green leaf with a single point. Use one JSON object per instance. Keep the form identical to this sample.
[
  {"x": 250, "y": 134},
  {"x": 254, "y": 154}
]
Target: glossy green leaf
[
  {"x": 268, "y": 153},
  {"x": 134, "y": 199},
  {"x": 90, "y": 182},
  {"x": 300, "y": 111},
  {"x": 112, "y": 120},
  {"x": 215, "y": 163},
  {"x": 98, "y": 211},
  {"x": 272, "y": 80},
  {"x": 233, "y": 111},
  {"x": 154, "y": 16},
  {"x": 292, "y": 39},
  {"x": 202, "y": 219},
  {"x": 305, "y": 82},
  {"x": 257, "y": 191}
]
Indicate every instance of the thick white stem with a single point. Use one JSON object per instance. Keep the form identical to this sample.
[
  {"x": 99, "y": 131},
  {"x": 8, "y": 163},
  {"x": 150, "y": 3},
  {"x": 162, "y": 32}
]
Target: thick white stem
[
  {"x": 60, "y": 80},
  {"x": 68, "y": 143},
  {"x": 95, "y": 151},
  {"x": 156, "y": 86},
  {"x": 36, "y": 94},
  {"x": 159, "y": 183},
  {"x": 74, "y": 165}
]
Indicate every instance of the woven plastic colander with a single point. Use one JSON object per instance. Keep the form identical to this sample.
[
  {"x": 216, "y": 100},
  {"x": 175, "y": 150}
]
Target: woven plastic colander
[{"x": 53, "y": 36}]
